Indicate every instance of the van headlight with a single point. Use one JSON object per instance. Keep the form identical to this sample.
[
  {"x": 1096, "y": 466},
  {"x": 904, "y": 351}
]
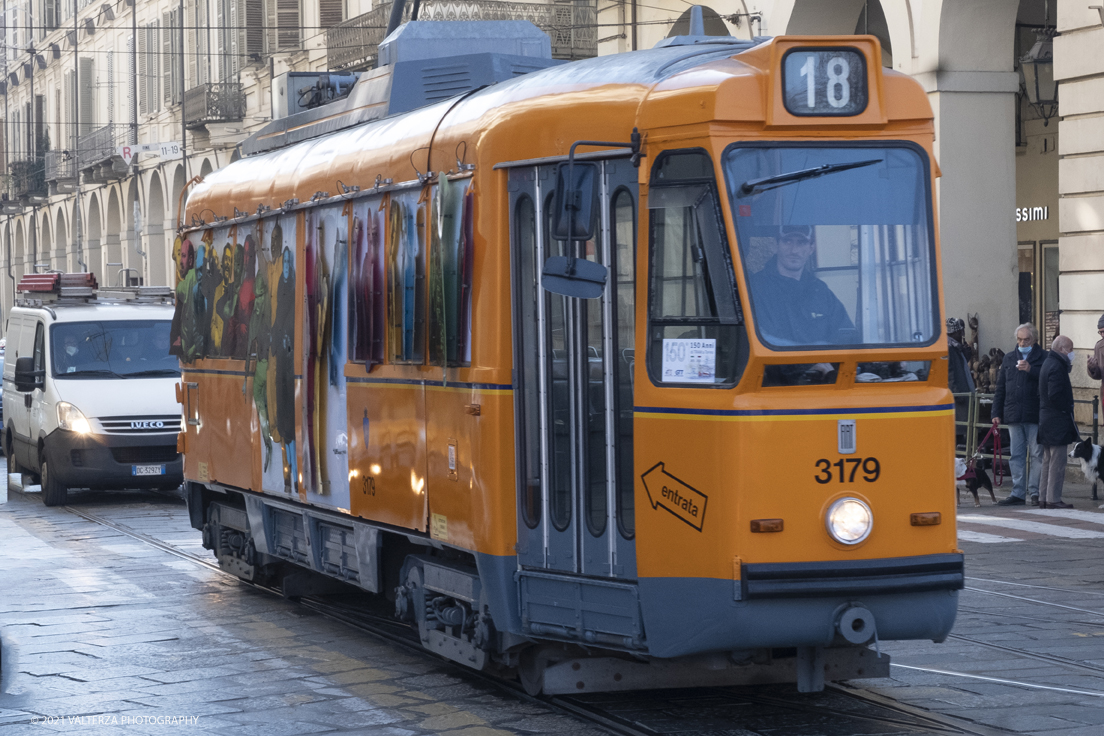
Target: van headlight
[
  {"x": 71, "y": 418},
  {"x": 849, "y": 521}
]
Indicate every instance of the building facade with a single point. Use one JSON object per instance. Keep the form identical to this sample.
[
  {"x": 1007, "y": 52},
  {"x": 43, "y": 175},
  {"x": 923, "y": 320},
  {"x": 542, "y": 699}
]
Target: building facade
[
  {"x": 109, "y": 109},
  {"x": 1021, "y": 193}
]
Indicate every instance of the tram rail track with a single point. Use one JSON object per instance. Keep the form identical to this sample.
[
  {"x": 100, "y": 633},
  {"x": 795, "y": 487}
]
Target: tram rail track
[{"x": 869, "y": 707}]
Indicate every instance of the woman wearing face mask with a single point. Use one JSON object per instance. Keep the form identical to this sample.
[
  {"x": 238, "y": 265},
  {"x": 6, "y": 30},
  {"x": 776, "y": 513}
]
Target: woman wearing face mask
[{"x": 1016, "y": 404}]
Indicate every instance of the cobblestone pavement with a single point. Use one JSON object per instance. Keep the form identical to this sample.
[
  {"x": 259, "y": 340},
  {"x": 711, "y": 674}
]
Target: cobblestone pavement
[
  {"x": 1032, "y": 612},
  {"x": 105, "y": 634}
]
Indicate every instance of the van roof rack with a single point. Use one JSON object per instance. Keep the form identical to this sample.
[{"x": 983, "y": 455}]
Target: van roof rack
[{"x": 56, "y": 289}]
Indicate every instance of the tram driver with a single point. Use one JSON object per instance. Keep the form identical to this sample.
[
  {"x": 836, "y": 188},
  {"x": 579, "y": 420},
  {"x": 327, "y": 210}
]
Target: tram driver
[{"x": 793, "y": 306}]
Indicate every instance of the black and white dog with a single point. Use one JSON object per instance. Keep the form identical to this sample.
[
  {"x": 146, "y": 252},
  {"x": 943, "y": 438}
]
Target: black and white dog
[
  {"x": 976, "y": 480},
  {"x": 1089, "y": 455}
]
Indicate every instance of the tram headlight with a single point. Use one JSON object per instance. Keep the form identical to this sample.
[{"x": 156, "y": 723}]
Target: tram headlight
[
  {"x": 71, "y": 418},
  {"x": 849, "y": 521}
]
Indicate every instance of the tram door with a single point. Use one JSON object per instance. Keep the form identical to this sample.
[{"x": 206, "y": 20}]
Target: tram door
[{"x": 574, "y": 363}]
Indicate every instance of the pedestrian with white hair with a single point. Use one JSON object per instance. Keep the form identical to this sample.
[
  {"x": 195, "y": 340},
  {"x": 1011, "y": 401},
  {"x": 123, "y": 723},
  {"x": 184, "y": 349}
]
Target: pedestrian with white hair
[
  {"x": 1016, "y": 404},
  {"x": 1057, "y": 430}
]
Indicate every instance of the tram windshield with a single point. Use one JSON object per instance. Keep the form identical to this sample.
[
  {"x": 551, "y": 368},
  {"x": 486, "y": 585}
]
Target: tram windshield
[{"x": 836, "y": 242}]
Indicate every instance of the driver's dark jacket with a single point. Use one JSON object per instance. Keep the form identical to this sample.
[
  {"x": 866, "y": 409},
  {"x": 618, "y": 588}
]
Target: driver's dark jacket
[{"x": 798, "y": 312}]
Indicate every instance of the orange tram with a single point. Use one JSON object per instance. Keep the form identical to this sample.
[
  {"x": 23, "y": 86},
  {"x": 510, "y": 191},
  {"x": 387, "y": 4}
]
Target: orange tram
[{"x": 409, "y": 324}]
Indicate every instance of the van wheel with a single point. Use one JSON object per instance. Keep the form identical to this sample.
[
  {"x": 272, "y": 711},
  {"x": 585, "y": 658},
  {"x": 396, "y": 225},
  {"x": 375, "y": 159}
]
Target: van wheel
[
  {"x": 53, "y": 492},
  {"x": 13, "y": 465}
]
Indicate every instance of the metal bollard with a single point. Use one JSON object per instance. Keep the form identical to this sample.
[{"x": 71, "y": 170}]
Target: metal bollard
[{"x": 1096, "y": 427}]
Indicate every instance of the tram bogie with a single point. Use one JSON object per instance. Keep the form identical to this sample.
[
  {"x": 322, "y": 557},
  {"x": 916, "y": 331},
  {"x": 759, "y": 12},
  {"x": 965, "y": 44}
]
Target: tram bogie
[{"x": 676, "y": 449}]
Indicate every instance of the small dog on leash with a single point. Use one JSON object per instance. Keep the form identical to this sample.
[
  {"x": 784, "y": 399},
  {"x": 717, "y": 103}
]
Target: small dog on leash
[
  {"x": 1089, "y": 455},
  {"x": 979, "y": 479}
]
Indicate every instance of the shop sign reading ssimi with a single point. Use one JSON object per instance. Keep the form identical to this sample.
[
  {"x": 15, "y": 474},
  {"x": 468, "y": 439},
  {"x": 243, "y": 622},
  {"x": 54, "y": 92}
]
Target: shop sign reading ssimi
[{"x": 1030, "y": 214}]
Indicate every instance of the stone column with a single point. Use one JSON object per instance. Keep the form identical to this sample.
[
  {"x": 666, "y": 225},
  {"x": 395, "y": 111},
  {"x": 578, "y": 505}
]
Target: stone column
[
  {"x": 114, "y": 254},
  {"x": 975, "y": 147},
  {"x": 1079, "y": 69}
]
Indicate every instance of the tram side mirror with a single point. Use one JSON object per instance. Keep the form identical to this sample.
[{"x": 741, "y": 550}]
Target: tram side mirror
[
  {"x": 575, "y": 277},
  {"x": 27, "y": 379},
  {"x": 574, "y": 206}
]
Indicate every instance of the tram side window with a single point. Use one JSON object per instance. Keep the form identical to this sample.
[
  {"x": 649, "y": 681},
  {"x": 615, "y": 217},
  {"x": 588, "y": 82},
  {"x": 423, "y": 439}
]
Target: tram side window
[
  {"x": 450, "y": 272},
  {"x": 367, "y": 293},
  {"x": 406, "y": 253},
  {"x": 557, "y": 315},
  {"x": 528, "y": 358},
  {"x": 695, "y": 332},
  {"x": 623, "y": 235}
]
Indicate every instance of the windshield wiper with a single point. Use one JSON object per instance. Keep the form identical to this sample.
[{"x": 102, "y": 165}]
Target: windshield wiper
[
  {"x": 770, "y": 182},
  {"x": 153, "y": 372},
  {"x": 91, "y": 372}
]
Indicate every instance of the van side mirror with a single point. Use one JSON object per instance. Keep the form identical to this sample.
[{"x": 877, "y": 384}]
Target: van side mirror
[
  {"x": 573, "y": 206},
  {"x": 27, "y": 379}
]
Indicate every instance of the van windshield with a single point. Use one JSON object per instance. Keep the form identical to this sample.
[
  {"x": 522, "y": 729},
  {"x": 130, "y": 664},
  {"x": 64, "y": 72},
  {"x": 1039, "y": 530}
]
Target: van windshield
[{"x": 112, "y": 349}]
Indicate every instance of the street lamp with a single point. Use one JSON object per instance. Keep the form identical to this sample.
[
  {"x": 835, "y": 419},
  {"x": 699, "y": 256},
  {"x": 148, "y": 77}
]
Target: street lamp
[{"x": 1037, "y": 74}]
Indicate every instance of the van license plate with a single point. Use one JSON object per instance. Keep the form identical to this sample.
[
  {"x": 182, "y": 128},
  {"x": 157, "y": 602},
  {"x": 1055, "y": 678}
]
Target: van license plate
[{"x": 147, "y": 469}]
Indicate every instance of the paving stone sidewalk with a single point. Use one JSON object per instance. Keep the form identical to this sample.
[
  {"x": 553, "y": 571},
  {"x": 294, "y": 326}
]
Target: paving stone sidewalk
[{"x": 103, "y": 634}]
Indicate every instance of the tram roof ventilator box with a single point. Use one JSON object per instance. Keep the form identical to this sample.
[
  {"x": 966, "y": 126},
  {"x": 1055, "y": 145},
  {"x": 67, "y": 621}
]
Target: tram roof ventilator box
[{"x": 420, "y": 63}]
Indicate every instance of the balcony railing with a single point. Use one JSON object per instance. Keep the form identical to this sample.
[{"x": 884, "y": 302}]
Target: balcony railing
[
  {"x": 61, "y": 167},
  {"x": 99, "y": 145},
  {"x": 223, "y": 102},
  {"x": 9, "y": 203},
  {"x": 29, "y": 178},
  {"x": 572, "y": 27}
]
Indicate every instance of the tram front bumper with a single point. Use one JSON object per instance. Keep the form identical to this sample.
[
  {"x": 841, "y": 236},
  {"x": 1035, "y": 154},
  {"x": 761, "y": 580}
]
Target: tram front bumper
[{"x": 800, "y": 604}]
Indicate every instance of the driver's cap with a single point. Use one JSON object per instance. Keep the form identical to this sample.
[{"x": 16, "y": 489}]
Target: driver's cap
[{"x": 805, "y": 231}]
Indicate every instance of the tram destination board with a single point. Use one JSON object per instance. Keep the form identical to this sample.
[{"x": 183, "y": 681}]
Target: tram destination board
[{"x": 824, "y": 81}]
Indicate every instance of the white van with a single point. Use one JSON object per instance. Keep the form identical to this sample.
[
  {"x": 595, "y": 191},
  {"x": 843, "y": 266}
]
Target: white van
[{"x": 89, "y": 387}]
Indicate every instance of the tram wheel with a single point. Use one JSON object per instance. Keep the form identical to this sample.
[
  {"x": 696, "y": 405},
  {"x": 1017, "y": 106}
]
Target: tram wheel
[{"x": 531, "y": 667}]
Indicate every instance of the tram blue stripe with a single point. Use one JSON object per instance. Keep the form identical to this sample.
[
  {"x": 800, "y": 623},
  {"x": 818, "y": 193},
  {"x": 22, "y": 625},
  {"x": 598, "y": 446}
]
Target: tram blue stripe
[
  {"x": 421, "y": 382},
  {"x": 212, "y": 372},
  {"x": 361, "y": 379},
  {"x": 788, "y": 412}
]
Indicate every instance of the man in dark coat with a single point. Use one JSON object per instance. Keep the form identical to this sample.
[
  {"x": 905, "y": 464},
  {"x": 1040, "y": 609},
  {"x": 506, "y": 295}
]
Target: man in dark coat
[
  {"x": 1016, "y": 404},
  {"x": 1056, "y": 426}
]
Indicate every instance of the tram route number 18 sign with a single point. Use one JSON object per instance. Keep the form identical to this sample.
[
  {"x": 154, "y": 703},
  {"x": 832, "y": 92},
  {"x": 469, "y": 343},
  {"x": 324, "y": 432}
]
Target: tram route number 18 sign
[
  {"x": 689, "y": 361},
  {"x": 824, "y": 81}
]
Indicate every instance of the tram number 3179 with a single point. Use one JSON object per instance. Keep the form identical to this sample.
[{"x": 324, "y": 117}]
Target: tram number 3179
[{"x": 845, "y": 469}]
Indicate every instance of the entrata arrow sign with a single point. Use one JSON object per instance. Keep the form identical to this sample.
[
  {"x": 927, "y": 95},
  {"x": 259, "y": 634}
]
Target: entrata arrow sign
[{"x": 674, "y": 495}]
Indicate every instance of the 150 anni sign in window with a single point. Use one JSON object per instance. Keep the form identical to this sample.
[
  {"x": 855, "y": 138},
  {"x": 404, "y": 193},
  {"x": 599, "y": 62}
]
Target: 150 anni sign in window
[{"x": 824, "y": 81}]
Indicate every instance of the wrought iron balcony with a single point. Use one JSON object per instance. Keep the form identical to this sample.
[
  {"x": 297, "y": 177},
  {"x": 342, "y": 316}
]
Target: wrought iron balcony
[
  {"x": 9, "y": 203},
  {"x": 29, "y": 179},
  {"x": 61, "y": 171},
  {"x": 223, "y": 102},
  {"x": 572, "y": 26},
  {"x": 97, "y": 156}
]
